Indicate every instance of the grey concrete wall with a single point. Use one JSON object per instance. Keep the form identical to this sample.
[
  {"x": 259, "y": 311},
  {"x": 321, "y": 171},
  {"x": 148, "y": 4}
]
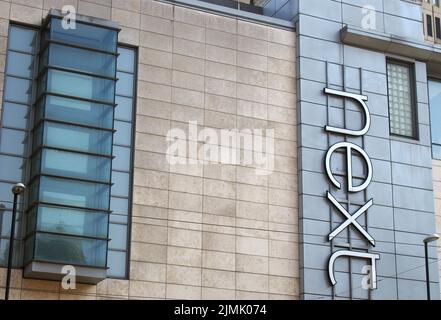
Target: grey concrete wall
[{"x": 402, "y": 189}]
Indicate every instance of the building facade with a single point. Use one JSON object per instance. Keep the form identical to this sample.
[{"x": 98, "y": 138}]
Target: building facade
[{"x": 221, "y": 150}]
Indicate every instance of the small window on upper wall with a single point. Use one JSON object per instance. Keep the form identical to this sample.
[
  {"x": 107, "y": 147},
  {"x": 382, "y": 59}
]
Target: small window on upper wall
[
  {"x": 429, "y": 27},
  {"x": 438, "y": 28},
  {"x": 401, "y": 94}
]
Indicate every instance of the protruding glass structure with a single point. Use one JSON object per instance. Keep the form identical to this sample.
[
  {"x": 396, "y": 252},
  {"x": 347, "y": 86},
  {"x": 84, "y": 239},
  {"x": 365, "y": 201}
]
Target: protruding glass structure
[{"x": 71, "y": 156}]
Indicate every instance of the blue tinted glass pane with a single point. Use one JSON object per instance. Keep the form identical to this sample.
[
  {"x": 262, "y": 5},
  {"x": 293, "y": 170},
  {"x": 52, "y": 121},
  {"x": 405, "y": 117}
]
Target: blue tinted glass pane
[
  {"x": 22, "y": 39},
  {"x": 5, "y": 223},
  {"x": 77, "y": 138},
  {"x": 11, "y": 168},
  {"x": 118, "y": 236},
  {"x": 4, "y": 247},
  {"x": 31, "y": 218},
  {"x": 85, "y": 35},
  {"x": 12, "y": 141},
  {"x": 20, "y": 64},
  {"x": 77, "y": 85},
  {"x": 18, "y": 90},
  {"x": 75, "y": 165},
  {"x": 435, "y": 110},
  {"x": 121, "y": 161},
  {"x": 120, "y": 182},
  {"x": 119, "y": 205},
  {"x": 126, "y": 60},
  {"x": 81, "y": 112},
  {"x": 124, "y": 85},
  {"x": 6, "y": 196},
  {"x": 72, "y": 221},
  {"x": 124, "y": 108},
  {"x": 116, "y": 261},
  {"x": 82, "y": 60},
  {"x": 116, "y": 218},
  {"x": 123, "y": 134},
  {"x": 71, "y": 250},
  {"x": 74, "y": 193},
  {"x": 15, "y": 115},
  {"x": 29, "y": 249}
]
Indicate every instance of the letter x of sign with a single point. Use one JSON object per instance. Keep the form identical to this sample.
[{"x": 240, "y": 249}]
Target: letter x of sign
[{"x": 351, "y": 219}]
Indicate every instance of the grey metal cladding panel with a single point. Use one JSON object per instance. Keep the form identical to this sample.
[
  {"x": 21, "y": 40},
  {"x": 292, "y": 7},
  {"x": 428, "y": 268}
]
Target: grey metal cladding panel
[
  {"x": 422, "y": 92},
  {"x": 320, "y": 49},
  {"x": 313, "y": 160},
  {"x": 381, "y": 217},
  {"x": 381, "y": 171},
  {"x": 316, "y": 256},
  {"x": 377, "y": 148},
  {"x": 317, "y": 229},
  {"x": 326, "y": 9},
  {"x": 314, "y": 183},
  {"x": 313, "y": 137},
  {"x": 379, "y": 126},
  {"x": 420, "y": 71},
  {"x": 416, "y": 250},
  {"x": 386, "y": 265},
  {"x": 316, "y": 282},
  {"x": 424, "y": 135},
  {"x": 316, "y": 297},
  {"x": 403, "y": 9},
  {"x": 410, "y": 238},
  {"x": 365, "y": 59},
  {"x": 416, "y": 290},
  {"x": 374, "y": 82},
  {"x": 411, "y": 176},
  {"x": 317, "y": 207},
  {"x": 312, "y": 69},
  {"x": 386, "y": 289},
  {"x": 378, "y": 104},
  {"x": 414, "y": 199},
  {"x": 313, "y": 114},
  {"x": 377, "y": 4},
  {"x": 413, "y": 268},
  {"x": 411, "y": 153},
  {"x": 414, "y": 221},
  {"x": 423, "y": 113},
  {"x": 404, "y": 28},
  {"x": 312, "y": 91},
  {"x": 318, "y": 28},
  {"x": 381, "y": 193},
  {"x": 353, "y": 16}
]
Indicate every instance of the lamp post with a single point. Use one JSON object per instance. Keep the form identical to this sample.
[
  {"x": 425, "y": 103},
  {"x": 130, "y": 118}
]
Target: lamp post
[
  {"x": 17, "y": 189},
  {"x": 427, "y": 240}
]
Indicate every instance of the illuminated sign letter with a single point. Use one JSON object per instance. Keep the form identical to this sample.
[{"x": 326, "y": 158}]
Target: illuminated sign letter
[
  {"x": 349, "y": 147},
  {"x": 363, "y": 255},
  {"x": 351, "y": 219},
  {"x": 360, "y": 99}
]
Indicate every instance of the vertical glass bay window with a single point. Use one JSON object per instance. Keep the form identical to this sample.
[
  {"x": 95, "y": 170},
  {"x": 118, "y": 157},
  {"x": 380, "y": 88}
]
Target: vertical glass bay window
[{"x": 71, "y": 155}]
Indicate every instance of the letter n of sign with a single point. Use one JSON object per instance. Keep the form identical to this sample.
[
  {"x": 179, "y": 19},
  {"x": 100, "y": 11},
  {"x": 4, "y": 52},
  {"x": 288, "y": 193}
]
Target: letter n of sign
[{"x": 351, "y": 219}]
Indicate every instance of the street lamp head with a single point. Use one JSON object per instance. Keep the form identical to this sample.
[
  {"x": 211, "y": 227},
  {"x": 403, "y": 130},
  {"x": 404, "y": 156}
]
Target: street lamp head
[
  {"x": 18, "y": 188},
  {"x": 431, "y": 238}
]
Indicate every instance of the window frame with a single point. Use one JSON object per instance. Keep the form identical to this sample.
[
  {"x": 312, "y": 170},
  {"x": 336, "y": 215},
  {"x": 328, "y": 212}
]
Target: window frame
[{"x": 414, "y": 100}]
